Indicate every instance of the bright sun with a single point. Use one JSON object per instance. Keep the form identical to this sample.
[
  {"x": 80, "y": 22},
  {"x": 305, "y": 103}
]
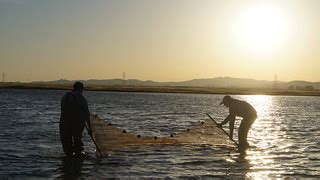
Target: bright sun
[{"x": 260, "y": 29}]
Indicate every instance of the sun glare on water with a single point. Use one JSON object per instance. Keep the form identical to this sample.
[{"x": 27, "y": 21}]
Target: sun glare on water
[{"x": 260, "y": 29}]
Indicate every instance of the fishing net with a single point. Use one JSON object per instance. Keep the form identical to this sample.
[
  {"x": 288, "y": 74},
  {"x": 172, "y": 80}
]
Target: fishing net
[{"x": 108, "y": 138}]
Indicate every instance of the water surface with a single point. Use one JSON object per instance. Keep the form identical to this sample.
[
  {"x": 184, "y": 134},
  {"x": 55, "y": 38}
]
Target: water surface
[{"x": 285, "y": 137}]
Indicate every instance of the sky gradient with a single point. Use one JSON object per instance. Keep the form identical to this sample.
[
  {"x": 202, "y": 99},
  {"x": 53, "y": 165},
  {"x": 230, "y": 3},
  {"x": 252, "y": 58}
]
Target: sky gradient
[{"x": 167, "y": 40}]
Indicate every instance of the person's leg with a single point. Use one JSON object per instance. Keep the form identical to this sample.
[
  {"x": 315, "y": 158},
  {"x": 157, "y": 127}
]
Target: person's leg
[
  {"x": 66, "y": 137},
  {"x": 243, "y": 131},
  {"x": 77, "y": 138}
]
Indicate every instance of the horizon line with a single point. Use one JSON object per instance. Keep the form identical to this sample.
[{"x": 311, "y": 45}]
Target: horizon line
[{"x": 166, "y": 81}]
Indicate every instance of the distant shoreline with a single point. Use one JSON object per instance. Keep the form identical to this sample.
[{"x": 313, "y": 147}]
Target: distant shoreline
[{"x": 167, "y": 89}]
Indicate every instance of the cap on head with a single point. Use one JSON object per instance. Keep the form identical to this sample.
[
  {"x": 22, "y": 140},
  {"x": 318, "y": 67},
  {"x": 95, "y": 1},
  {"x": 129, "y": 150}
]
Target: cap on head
[
  {"x": 226, "y": 99},
  {"x": 78, "y": 86}
]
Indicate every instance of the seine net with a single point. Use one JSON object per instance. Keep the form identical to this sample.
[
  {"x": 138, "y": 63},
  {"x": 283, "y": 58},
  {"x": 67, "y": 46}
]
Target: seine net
[{"x": 109, "y": 138}]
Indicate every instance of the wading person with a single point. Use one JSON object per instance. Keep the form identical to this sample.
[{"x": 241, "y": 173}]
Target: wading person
[
  {"x": 74, "y": 113},
  {"x": 241, "y": 109}
]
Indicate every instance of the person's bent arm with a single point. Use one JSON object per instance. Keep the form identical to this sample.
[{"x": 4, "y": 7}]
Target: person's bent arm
[
  {"x": 227, "y": 119},
  {"x": 86, "y": 111},
  {"x": 232, "y": 119},
  {"x": 231, "y": 126}
]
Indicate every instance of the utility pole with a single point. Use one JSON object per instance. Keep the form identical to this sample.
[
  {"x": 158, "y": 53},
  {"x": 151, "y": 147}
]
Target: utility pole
[
  {"x": 3, "y": 77},
  {"x": 124, "y": 79}
]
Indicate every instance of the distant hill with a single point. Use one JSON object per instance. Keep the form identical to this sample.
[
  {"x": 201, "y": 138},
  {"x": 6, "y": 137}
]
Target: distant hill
[{"x": 210, "y": 82}]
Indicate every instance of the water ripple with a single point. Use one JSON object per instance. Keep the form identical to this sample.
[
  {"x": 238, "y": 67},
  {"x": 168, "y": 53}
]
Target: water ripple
[{"x": 285, "y": 137}]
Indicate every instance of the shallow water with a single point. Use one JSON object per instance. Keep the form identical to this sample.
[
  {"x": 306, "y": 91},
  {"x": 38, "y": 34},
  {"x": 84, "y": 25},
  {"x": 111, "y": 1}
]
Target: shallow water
[{"x": 285, "y": 137}]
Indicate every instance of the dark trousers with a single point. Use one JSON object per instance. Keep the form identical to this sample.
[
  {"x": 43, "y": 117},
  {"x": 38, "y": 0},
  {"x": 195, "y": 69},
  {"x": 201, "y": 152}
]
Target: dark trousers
[
  {"x": 70, "y": 136},
  {"x": 245, "y": 125}
]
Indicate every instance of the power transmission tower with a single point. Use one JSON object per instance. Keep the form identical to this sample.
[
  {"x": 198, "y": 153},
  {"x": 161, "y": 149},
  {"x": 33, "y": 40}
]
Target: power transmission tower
[{"x": 275, "y": 83}]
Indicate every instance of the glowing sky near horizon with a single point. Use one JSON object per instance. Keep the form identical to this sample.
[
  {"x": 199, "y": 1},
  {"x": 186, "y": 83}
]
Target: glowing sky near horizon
[{"x": 167, "y": 40}]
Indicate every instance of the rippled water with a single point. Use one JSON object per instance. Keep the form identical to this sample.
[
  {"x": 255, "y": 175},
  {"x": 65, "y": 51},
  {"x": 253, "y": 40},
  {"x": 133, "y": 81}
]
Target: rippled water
[{"x": 285, "y": 137}]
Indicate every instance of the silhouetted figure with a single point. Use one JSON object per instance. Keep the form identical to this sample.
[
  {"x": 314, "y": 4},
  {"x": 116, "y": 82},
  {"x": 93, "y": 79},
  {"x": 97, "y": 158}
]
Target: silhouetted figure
[
  {"x": 241, "y": 109},
  {"x": 74, "y": 113}
]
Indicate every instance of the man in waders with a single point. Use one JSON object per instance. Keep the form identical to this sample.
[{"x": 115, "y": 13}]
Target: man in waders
[
  {"x": 241, "y": 109},
  {"x": 74, "y": 113}
]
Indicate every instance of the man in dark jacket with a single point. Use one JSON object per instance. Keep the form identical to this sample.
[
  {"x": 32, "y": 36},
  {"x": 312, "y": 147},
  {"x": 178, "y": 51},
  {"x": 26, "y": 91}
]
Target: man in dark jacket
[
  {"x": 241, "y": 109},
  {"x": 74, "y": 113}
]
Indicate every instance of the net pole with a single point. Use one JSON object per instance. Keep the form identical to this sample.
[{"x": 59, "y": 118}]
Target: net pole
[
  {"x": 222, "y": 129},
  {"x": 95, "y": 143}
]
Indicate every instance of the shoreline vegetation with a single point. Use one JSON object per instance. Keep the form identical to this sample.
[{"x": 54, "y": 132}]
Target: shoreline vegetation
[{"x": 166, "y": 89}]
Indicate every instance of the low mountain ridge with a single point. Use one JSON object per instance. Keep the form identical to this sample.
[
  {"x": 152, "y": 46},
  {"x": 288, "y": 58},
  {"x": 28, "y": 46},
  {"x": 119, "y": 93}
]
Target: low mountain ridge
[{"x": 209, "y": 82}]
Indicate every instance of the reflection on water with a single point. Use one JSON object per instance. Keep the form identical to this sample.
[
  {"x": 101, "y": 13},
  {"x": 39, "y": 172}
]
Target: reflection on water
[
  {"x": 276, "y": 151},
  {"x": 71, "y": 168},
  {"x": 285, "y": 137},
  {"x": 264, "y": 135}
]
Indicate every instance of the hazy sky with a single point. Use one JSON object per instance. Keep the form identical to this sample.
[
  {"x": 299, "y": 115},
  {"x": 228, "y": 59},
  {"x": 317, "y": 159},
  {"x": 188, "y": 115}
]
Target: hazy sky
[{"x": 163, "y": 40}]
